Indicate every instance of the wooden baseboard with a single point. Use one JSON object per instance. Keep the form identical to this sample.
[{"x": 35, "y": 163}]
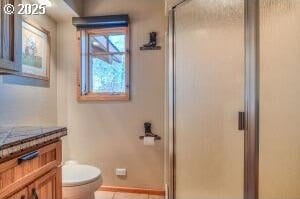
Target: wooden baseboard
[{"x": 132, "y": 190}]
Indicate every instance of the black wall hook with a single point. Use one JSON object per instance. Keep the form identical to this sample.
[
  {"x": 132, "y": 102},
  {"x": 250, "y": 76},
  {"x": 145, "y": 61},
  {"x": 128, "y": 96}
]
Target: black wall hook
[{"x": 148, "y": 132}]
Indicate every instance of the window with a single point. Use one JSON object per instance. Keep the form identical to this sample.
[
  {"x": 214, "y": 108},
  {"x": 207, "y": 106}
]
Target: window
[{"x": 104, "y": 64}]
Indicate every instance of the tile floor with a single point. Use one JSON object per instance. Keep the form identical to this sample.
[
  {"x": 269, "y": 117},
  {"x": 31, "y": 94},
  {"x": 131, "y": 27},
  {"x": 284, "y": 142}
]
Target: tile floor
[{"x": 117, "y": 195}]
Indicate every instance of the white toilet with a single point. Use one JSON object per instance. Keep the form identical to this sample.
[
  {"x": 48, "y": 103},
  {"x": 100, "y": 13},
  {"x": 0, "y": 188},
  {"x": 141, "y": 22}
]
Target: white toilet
[{"x": 80, "y": 181}]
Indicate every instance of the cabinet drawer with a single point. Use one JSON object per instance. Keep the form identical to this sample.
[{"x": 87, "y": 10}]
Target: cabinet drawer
[{"x": 19, "y": 172}]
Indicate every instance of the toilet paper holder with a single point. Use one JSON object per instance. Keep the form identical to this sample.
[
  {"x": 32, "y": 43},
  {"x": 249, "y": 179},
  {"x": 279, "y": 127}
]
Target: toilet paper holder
[{"x": 148, "y": 132}]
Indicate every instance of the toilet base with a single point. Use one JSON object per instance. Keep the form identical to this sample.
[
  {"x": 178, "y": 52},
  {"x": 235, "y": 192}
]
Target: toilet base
[
  {"x": 86, "y": 191},
  {"x": 82, "y": 196}
]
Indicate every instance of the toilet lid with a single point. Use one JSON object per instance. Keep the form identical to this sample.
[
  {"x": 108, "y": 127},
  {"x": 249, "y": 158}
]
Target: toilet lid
[{"x": 76, "y": 174}]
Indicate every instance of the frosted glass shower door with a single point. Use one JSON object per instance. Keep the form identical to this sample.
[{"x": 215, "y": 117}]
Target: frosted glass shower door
[
  {"x": 209, "y": 93},
  {"x": 279, "y": 140}
]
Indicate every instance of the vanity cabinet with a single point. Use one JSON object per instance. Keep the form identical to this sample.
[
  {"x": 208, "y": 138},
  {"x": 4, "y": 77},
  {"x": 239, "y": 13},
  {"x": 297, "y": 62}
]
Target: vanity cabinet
[
  {"x": 35, "y": 174},
  {"x": 10, "y": 39}
]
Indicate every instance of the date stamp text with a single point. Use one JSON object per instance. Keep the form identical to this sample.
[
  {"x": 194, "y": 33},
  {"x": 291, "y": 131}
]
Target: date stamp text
[{"x": 25, "y": 9}]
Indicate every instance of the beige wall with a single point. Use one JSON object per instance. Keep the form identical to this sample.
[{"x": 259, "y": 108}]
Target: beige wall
[
  {"x": 106, "y": 134},
  {"x": 30, "y": 105}
]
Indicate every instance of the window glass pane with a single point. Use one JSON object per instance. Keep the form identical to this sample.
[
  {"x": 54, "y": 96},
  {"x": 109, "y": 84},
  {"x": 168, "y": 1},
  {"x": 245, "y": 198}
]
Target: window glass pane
[
  {"x": 107, "y": 44},
  {"x": 98, "y": 44},
  {"x": 116, "y": 43},
  {"x": 108, "y": 74}
]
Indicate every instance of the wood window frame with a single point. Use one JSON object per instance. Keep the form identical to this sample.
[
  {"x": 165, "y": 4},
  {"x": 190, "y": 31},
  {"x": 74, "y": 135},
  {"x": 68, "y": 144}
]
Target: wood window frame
[{"x": 83, "y": 74}]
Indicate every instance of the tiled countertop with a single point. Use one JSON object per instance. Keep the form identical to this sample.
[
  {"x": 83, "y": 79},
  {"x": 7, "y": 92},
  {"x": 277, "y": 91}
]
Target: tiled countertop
[{"x": 14, "y": 139}]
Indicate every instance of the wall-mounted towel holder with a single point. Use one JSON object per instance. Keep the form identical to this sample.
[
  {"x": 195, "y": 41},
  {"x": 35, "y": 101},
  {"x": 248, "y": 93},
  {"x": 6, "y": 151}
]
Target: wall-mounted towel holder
[{"x": 148, "y": 132}]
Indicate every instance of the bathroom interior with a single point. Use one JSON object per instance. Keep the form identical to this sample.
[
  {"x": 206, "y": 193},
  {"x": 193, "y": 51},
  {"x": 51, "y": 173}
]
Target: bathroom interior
[{"x": 149, "y": 99}]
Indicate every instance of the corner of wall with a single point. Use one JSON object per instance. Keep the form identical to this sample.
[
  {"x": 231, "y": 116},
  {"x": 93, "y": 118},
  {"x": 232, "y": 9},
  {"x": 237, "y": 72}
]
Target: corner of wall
[{"x": 76, "y": 5}]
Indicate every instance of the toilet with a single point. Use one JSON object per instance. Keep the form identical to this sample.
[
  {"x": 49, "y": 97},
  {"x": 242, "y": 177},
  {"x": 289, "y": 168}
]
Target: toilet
[{"x": 80, "y": 181}]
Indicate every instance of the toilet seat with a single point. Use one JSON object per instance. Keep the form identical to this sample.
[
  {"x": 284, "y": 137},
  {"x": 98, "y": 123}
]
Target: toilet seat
[{"x": 77, "y": 174}]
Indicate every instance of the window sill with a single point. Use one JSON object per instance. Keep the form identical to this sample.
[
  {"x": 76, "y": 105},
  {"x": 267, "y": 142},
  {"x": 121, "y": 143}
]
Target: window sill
[{"x": 95, "y": 97}]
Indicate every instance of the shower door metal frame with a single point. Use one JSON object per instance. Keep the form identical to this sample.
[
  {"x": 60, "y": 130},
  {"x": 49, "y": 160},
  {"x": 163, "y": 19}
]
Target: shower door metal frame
[
  {"x": 251, "y": 107},
  {"x": 171, "y": 107},
  {"x": 251, "y": 145}
]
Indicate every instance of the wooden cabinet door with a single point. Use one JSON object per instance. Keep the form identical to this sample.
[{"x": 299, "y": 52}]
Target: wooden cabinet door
[
  {"x": 44, "y": 187},
  {"x": 10, "y": 38},
  {"x": 20, "y": 195}
]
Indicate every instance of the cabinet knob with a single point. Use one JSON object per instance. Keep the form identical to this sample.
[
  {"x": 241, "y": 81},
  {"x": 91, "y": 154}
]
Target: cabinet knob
[{"x": 34, "y": 194}]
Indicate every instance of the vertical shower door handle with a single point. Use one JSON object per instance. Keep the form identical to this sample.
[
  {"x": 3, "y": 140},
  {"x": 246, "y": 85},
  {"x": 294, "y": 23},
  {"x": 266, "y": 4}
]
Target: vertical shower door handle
[{"x": 241, "y": 125}]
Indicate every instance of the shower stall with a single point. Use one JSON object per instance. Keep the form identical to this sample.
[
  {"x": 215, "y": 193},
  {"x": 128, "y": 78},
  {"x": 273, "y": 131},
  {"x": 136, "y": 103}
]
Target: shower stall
[{"x": 234, "y": 99}]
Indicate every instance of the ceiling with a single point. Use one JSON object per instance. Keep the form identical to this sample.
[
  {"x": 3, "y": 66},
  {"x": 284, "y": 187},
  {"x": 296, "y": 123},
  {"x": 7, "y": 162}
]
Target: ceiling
[{"x": 60, "y": 11}]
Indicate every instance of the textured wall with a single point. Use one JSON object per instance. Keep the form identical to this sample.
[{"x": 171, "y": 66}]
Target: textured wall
[
  {"x": 106, "y": 134},
  {"x": 30, "y": 105}
]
